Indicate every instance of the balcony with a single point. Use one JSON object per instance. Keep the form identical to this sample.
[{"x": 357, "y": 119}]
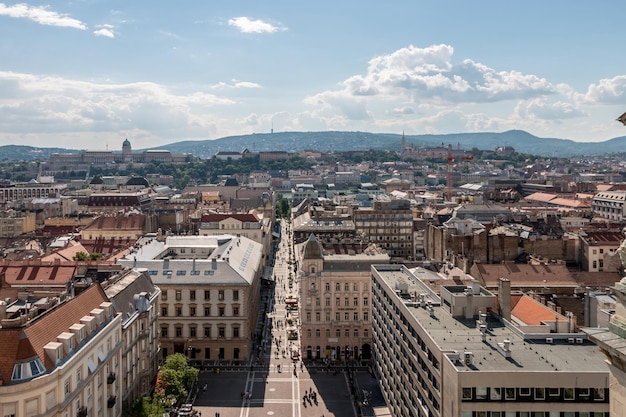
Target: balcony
[
  {"x": 81, "y": 412},
  {"x": 111, "y": 401},
  {"x": 111, "y": 378}
]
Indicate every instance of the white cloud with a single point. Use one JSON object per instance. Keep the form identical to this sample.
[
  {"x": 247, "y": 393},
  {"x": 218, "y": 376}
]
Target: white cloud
[
  {"x": 606, "y": 91},
  {"x": 107, "y": 33},
  {"x": 540, "y": 108},
  {"x": 247, "y": 25},
  {"x": 51, "y": 105},
  {"x": 41, "y": 15},
  {"x": 235, "y": 84}
]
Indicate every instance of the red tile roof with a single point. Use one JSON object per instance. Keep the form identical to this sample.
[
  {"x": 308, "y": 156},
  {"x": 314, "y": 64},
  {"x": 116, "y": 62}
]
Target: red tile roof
[
  {"x": 533, "y": 313},
  {"x": 245, "y": 217},
  {"x": 46, "y": 328}
]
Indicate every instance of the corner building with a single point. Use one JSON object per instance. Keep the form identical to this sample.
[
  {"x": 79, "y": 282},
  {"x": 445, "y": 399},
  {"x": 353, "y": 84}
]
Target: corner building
[
  {"x": 451, "y": 355},
  {"x": 336, "y": 302}
]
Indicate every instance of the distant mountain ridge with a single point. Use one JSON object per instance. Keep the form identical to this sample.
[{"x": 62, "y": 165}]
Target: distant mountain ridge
[{"x": 354, "y": 141}]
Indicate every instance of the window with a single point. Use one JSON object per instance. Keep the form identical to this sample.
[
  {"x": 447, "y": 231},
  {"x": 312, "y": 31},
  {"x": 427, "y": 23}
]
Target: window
[
  {"x": 347, "y": 333},
  {"x": 221, "y": 331},
  {"x": 164, "y": 295},
  {"x": 337, "y": 316},
  {"x": 179, "y": 295},
  {"x": 366, "y": 333},
  {"x": 356, "y": 332},
  {"x": 355, "y": 286},
  {"x": 554, "y": 392},
  {"x": 236, "y": 332},
  {"x": 328, "y": 286},
  {"x": 192, "y": 332},
  {"x": 317, "y": 333},
  {"x": 192, "y": 294},
  {"x": 207, "y": 331},
  {"x": 509, "y": 393},
  {"x": 356, "y": 301},
  {"x": 79, "y": 376},
  {"x": 220, "y": 295},
  {"x": 346, "y": 287},
  {"x": 540, "y": 393},
  {"x": 67, "y": 387},
  {"x": 163, "y": 331},
  {"x": 337, "y": 332},
  {"x": 207, "y": 294},
  {"x": 366, "y": 316},
  {"x": 598, "y": 394},
  {"x": 327, "y": 301},
  {"x": 317, "y": 302},
  {"x": 356, "y": 316},
  {"x": 327, "y": 316},
  {"x": 327, "y": 333},
  {"x": 179, "y": 311},
  {"x": 317, "y": 316},
  {"x": 337, "y": 287},
  {"x": 32, "y": 407},
  {"x": 568, "y": 393},
  {"x": 337, "y": 301},
  {"x": 192, "y": 311},
  {"x": 524, "y": 392},
  {"x": 236, "y": 295},
  {"x": 346, "y": 316},
  {"x": 365, "y": 301},
  {"x": 164, "y": 311},
  {"x": 179, "y": 332},
  {"x": 308, "y": 316},
  {"x": 181, "y": 272},
  {"x": 467, "y": 393},
  {"x": 221, "y": 311},
  {"x": 235, "y": 311},
  {"x": 308, "y": 333},
  {"x": 346, "y": 301}
]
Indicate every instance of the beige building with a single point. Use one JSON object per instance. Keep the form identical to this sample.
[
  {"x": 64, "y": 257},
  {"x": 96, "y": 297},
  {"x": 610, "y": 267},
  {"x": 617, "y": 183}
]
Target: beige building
[
  {"x": 388, "y": 224},
  {"x": 15, "y": 224},
  {"x": 452, "y": 355},
  {"x": 336, "y": 302},
  {"x": 133, "y": 294},
  {"x": 63, "y": 362},
  {"x": 210, "y": 291}
]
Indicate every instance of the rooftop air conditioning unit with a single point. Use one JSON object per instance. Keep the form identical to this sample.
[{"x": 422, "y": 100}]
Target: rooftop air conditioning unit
[
  {"x": 469, "y": 358},
  {"x": 549, "y": 340},
  {"x": 579, "y": 340},
  {"x": 570, "y": 340}
]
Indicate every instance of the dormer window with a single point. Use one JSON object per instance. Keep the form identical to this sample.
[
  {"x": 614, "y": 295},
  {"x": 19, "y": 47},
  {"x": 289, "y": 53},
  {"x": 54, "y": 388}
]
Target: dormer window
[{"x": 27, "y": 369}]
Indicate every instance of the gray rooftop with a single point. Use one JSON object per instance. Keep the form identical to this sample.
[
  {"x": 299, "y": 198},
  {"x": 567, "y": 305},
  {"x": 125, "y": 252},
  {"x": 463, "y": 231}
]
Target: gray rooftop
[{"x": 462, "y": 335}]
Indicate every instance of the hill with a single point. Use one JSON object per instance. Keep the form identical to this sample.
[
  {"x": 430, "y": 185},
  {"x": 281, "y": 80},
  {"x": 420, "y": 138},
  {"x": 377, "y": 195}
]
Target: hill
[{"x": 354, "y": 141}]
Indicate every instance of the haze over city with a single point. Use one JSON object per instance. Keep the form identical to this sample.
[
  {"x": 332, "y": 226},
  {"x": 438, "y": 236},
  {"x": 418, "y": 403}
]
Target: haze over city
[{"x": 86, "y": 74}]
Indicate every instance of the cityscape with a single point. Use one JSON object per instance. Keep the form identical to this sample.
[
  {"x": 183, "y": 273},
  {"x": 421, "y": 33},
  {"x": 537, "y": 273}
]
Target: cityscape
[
  {"x": 312, "y": 209},
  {"x": 428, "y": 281}
]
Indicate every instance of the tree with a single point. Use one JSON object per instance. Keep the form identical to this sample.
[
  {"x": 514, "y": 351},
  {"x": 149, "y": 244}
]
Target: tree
[
  {"x": 80, "y": 256},
  {"x": 176, "y": 377}
]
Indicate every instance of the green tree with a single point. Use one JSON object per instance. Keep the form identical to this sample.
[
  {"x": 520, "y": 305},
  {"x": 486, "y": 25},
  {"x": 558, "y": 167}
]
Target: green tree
[
  {"x": 80, "y": 256},
  {"x": 176, "y": 377}
]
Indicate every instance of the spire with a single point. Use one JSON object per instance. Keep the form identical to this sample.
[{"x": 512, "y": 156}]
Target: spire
[{"x": 403, "y": 141}]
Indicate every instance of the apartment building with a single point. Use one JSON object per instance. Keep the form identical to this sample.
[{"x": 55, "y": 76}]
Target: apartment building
[
  {"x": 210, "y": 292},
  {"x": 133, "y": 294},
  {"x": 609, "y": 205},
  {"x": 452, "y": 355},
  {"x": 336, "y": 302},
  {"x": 60, "y": 358},
  {"x": 389, "y": 224}
]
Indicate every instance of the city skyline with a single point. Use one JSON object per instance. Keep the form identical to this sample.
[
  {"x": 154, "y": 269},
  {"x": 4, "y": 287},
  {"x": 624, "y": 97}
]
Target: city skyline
[{"x": 88, "y": 74}]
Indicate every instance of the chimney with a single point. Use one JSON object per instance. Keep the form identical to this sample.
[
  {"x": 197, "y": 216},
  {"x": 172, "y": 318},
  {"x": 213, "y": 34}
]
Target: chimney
[{"x": 504, "y": 298}]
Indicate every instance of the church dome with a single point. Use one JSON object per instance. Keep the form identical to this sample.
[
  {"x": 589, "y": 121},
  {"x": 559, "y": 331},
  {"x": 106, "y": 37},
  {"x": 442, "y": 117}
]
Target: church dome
[{"x": 126, "y": 144}]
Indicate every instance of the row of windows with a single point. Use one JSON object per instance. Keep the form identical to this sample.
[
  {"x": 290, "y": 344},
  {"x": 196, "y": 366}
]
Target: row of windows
[
  {"x": 178, "y": 294},
  {"x": 355, "y": 332},
  {"x": 534, "y": 414},
  {"x": 207, "y": 331},
  {"x": 221, "y": 311},
  {"x": 346, "y": 316},
  {"x": 535, "y": 394},
  {"x": 346, "y": 287}
]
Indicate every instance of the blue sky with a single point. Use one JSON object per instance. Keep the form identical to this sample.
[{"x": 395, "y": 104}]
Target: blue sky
[{"x": 85, "y": 74}]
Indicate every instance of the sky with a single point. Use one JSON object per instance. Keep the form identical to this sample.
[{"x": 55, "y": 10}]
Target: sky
[{"x": 87, "y": 74}]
